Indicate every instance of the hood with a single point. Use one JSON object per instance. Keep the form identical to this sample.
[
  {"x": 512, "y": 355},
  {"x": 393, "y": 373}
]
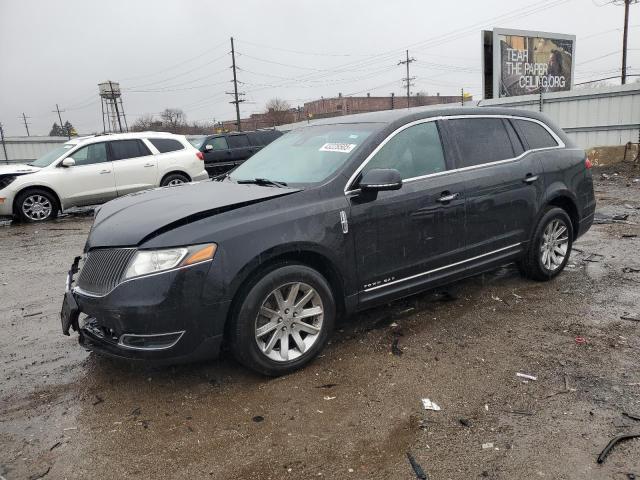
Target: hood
[
  {"x": 135, "y": 218},
  {"x": 17, "y": 169}
]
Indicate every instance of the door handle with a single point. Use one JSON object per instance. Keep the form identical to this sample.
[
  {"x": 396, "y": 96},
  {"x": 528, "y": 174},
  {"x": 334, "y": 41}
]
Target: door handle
[
  {"x": 104, "y": 171},
  {"x": 530, "y": 178},
  {"x": 149, "y": 165},
  {"x": 447, "y": 197}
]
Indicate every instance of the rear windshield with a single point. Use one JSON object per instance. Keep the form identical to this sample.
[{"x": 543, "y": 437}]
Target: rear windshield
[
  {"x": 196, "y": 141},
  {"x": 308, "y": 155}
]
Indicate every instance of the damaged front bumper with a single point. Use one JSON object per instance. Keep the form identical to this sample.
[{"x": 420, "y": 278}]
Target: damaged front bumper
[{"x": 160, "y": 317}]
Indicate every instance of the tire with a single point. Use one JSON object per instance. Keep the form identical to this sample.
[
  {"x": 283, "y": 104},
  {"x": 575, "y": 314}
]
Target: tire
[
  {"x": 543, "y": 260},
  {"x": 36, "y": 205},
  {"x": 262, "y": 350},
  {"x": 174, "y": 179}
]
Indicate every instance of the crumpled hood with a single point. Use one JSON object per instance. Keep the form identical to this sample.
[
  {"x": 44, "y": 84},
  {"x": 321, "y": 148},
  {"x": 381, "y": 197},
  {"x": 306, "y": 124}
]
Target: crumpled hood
[
  {"x": 132, "y": 219},
  {"x": 17, "y": 169}
]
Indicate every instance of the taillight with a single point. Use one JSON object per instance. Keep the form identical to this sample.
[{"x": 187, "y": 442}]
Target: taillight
[
  {"x": 587, "y": 163},
  {"x": 200, "y": 156}
]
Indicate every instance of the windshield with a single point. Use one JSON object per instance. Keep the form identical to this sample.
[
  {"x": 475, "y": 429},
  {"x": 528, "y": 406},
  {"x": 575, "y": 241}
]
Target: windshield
[
  {"x": 196, "y": 141},
  {"x": 48, "y": 158},
  {"x": 307, "y": 155}
]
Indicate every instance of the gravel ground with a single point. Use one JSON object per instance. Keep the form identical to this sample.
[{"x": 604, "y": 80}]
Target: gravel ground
[{"x": 356, "y": 411}]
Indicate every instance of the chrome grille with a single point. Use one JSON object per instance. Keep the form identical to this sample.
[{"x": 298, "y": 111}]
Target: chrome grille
[{"x": 103, "y": 269}]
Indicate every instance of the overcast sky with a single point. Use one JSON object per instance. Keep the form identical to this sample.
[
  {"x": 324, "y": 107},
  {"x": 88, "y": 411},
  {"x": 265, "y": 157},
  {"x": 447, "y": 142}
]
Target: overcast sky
[{"x": 175, "y": 53}]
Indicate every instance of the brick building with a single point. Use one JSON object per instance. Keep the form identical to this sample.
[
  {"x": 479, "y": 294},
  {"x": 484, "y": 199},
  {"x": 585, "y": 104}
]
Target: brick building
[{"x": 334, "y": 107}]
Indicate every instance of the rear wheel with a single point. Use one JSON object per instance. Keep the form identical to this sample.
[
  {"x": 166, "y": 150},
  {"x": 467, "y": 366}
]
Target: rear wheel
[
  {"x": 550, "y": 246},
  {"x": 36, "y": 205},
  {"x": 174, "y": 179},
  {"x": 284, "y": 320}
]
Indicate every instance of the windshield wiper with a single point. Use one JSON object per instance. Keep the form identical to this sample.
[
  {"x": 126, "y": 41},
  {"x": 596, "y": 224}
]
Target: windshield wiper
[{"x": 264, "y": 181}]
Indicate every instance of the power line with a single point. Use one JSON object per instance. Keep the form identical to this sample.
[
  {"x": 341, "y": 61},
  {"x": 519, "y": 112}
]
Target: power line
[{"x": 61, "y": 124}]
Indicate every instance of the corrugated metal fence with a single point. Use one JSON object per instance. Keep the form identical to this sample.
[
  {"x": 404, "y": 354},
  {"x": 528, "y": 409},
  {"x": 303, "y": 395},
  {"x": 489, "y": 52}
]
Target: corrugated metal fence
[
  {"x": 27, "y": 149},
  {"x": 595, "y": 117}
]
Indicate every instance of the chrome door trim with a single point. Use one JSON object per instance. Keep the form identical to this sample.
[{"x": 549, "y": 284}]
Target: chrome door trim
[
  {"x": 441, "y": 268},
  {"x": 560, "y": 144}
]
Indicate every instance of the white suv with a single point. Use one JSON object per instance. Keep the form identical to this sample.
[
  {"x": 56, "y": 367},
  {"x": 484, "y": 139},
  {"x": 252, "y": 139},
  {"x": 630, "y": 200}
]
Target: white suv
[{"x": 92, "y": 170}]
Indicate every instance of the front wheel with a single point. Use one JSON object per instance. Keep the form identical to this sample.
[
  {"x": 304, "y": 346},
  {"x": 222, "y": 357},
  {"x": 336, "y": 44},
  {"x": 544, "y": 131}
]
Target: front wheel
[
  {"x": 550, "y": 246},
  {"x": 36, "y": 206},
  {"x": 284, "y": 320}
]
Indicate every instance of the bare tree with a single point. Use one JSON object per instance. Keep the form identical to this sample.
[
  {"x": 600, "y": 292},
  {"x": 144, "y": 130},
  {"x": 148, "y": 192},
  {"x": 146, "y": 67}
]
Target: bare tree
[
  {"x": 278, "y": 111},
  {"x": 173, "y": 120},
  {"x": 144, "y": 123},
  {"x": 421, "y": 98}
]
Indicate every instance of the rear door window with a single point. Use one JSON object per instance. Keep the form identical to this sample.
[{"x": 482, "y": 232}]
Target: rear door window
[
  {"x": 480, "y": 140},
  {"x": 165, "y": 145},
  {"x": 414, "y": 152},
  {"x": 238, "y": 141},
  {"x": 218, "y": 143},
  {"x": 123, "y": 149},
  {"x": 535, "y": 135}
]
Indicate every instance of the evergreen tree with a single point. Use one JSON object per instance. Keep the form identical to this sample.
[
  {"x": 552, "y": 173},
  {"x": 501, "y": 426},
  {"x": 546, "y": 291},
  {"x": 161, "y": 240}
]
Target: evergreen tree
[{"x": 56, "y": 130}]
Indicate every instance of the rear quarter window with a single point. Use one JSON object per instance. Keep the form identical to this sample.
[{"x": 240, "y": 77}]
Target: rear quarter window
[
  {"x": 165, "y": 145},
  {"x": 535, "y": 135},
  {"x": 237, "y": 141}
]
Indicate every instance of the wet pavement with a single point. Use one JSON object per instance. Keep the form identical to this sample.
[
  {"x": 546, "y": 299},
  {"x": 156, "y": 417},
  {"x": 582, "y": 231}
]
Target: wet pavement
[{"x": 356, "y": 410}]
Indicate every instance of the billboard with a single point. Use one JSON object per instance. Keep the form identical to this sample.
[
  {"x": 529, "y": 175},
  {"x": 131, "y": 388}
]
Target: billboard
[{"x": 521, "y": 62}]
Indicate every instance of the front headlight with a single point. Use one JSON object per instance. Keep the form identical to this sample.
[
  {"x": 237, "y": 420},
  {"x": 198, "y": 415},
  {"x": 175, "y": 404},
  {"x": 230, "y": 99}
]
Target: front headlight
[{"x": 146, "y": 262}]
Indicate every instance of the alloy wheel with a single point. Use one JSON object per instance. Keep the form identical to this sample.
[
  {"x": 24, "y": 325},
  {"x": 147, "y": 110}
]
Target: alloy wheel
[
  {"x": 289, "y": 321},
  {"x": 37, "y": 207},
  {"x": 554, "y": 245},
  {"x": 176, "y": 181}
]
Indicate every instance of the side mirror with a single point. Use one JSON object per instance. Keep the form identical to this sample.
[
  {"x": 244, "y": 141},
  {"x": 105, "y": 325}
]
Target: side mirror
[
  {"x": 380, "y": 179},
  {"x": 68, "y": 162},
  {"x": 208, "y": 148}
]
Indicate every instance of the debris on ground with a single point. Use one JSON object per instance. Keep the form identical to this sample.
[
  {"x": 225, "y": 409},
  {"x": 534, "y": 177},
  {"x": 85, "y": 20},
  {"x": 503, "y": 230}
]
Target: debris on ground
[
  {"x": 55, "y": 445},
  {"x": 417, "y": 469},
  {"x": 629, "y": 317},
  {"x": 327, "y": 385},
  {"x": 258, "y": 418},
  {"x": 98, "y": 399},
  {"x": 32, "y": 314},
  {"x": 630, "y": 270},
  {"x": 135, "y": 412},
  {"x": 613, "y": 442},
  {"x": 602, "y": 219},
  {"x": 629, "y": 235},
  {"x": 593, "y": 257},
  {"x": 486, "y": 446},
  {"x": 581, "y": 340},
  {"x": 329, "y": 398},
  {"x": 395, "y": 349},
  {"x": 632, "y": 416},
  {"x": 527, "y": 376},
  {"x": 429, "y": 405},
  {"x": 465, "y": 422},
  {"x": 42, "y": 474}
]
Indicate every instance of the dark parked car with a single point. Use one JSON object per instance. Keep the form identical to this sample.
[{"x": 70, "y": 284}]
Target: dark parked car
[
  {"x": 224, "y": 151},
  {"x": 329, "y": 219}
]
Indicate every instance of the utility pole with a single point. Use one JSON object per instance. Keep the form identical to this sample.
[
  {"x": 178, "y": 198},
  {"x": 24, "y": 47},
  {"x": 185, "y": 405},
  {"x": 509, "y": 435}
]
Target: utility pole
[
  {"x": 26, "y": 124},
  {"x": 627, "y": 4},
  {"x": 61, "y": 124},
  {"x": 462, "y": 96},
  {"x": 408, "y": 78},
  {"x": 392, "y": 98},
  {"x": 4, "y": 147},
  {"x": 235, "y": 93}
]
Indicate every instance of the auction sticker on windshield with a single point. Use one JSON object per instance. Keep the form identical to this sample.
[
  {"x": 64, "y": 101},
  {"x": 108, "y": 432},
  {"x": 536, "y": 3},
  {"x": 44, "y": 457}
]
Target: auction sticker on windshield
[{"x": 338, "y": 147}]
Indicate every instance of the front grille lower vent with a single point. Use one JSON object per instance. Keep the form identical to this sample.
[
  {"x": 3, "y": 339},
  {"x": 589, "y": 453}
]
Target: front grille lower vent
[{"x": 103, "y": 269}]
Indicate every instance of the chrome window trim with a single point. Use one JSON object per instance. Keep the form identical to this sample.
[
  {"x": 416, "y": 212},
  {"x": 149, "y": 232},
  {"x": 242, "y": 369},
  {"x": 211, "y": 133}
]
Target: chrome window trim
[
  {"x": 560, "y": 144},
  {"x": 442, "y": 268}
]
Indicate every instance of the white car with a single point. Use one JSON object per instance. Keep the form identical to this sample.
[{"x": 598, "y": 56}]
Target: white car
[{"x": 92, "y": 170}]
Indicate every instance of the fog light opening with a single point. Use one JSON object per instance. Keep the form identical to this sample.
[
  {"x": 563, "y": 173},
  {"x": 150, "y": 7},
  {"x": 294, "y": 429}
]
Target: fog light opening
[{"x": 159, "y": 341}]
